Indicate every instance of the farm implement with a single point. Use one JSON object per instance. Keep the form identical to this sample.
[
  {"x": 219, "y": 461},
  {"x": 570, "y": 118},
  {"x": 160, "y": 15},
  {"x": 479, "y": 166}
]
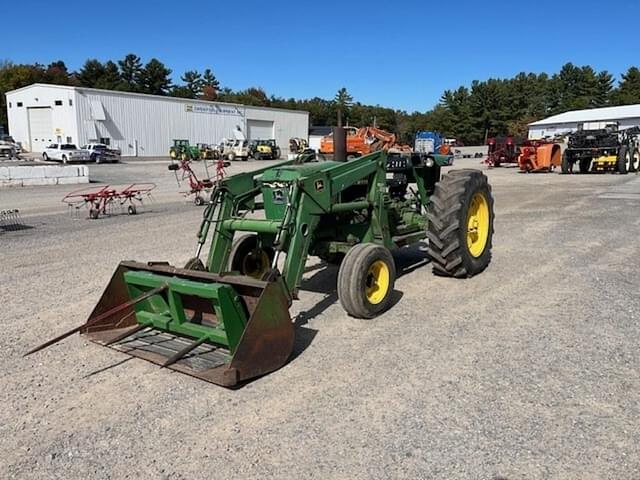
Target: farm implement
[
  {"x": 198, "y": 187},
  {"x": 105, "y": 200},
  {"x": 501, "y": 150},
  {"x": 603, "y": 150},
  {"x": 225, "y": 319},
  {"x": 539, "y": 156}
]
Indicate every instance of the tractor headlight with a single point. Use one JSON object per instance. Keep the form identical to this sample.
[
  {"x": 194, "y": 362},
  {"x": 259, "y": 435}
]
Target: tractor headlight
[{"x": 429, "y": 162}]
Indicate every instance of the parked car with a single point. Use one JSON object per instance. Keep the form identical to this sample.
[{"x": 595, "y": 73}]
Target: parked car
[
  {"x": 65, "y": 152},
  {"x": 100, "y": 153},
  {"x": 17, "y": 146},
  {"x": 7, "y": 150}
]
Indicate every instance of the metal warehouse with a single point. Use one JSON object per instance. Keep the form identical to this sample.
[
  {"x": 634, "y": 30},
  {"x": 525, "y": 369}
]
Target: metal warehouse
[
  {"x": 625, "y": 116},
  {"x": 139, "y": 124}
]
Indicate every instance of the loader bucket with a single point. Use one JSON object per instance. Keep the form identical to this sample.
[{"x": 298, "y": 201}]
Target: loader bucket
[{"x": 224, "y": 329}]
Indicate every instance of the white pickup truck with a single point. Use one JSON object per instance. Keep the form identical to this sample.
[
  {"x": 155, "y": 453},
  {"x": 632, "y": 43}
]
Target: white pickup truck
[
  {"x": 65, "y": 152},
  {"x": 99, "y": 152}
]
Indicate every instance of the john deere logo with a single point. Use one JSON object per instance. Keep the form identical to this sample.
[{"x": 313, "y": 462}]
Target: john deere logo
[
  {"x": 278, "y": 196},
  {"x": 319, "y": 185}
]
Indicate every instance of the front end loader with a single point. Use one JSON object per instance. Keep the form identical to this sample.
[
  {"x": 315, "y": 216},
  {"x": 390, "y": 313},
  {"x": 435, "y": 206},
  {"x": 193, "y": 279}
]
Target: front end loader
[{"x": 225, "y": 319}]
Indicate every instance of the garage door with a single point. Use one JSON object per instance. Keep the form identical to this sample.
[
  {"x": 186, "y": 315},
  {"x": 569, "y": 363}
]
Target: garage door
[
  {"x": 40, "y": 128},
  {"x": 259, "y": 129}
]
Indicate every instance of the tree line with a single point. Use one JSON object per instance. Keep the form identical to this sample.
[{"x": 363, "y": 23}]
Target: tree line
[{"x": 469, "y": 113}]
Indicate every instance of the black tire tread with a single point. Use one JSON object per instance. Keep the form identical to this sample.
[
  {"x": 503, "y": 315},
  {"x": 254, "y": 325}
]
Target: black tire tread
[
  {"x": 446, "y": 214},
  {"x": 350, "y": 279}
]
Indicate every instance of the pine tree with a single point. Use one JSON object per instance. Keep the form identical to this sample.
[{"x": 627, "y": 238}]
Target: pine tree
[
  {"x": 91, "y": 73},
  {"x": 193, "y": 81},
  {"x": 131, "y": 73},
  {"x": 155, "y": 78},
  {"x": 343, "y": 102}
]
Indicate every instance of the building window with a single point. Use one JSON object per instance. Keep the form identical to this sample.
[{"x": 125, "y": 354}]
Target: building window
[
  {"x": 69, "y": 140},
  {"x": 58, "y": 103},
  {"x": 106, "y": 141},
  {"x": 19, "y": 104},
  {"x": 70, "y": 102}
]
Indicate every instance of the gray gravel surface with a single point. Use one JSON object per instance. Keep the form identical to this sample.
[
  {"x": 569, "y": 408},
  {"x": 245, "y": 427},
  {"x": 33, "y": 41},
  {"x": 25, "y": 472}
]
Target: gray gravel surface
[{"x": 529, "y": 370}]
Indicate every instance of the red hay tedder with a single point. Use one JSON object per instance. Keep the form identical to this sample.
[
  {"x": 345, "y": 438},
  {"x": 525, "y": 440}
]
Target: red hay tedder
[
  {"x": 103, "y": 200},
  {"x": 198, "y": 187}
]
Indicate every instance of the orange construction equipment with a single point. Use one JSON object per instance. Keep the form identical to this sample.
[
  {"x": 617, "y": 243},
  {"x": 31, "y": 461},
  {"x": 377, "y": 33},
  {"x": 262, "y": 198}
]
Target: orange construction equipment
[
  {"x": 365, "y": 140},
  {"x": 539, "y": 156}
]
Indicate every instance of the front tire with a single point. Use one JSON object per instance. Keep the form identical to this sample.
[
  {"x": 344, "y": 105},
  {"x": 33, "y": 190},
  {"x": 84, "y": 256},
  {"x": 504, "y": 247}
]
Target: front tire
[
  {"x": 366, "y": 279},
  {"x": 250, "y": 259},
  {"x": 45, "y": 157},
  {"x": 460, "y": 228},
  {"x": 231, "y": 157},
  {"x": 64, "y": 159}
]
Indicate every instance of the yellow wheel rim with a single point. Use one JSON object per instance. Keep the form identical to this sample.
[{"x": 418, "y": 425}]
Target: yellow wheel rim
[
  {"x": 478, "y": 224},
  {"x": 256, "y": 264},
  {"x": 377, "y": 283}
]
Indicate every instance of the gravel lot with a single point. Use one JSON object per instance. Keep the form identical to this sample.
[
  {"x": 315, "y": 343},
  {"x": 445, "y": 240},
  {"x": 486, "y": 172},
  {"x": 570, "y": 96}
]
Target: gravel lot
[{"x": 529, "y": 370}]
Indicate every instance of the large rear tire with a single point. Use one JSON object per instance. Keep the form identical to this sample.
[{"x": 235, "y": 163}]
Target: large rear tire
[
  {"x": 624, "y": 160},
  {"x": 366, "y": 279},
  {"x": 460, "y": 228},
  {"x": 250, "y": 259}
]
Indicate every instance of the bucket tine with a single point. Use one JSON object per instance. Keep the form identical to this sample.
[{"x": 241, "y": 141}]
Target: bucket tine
[
  {"x": 178, "y": 355},
  {"x": 124, "y": 335},
  {"x": 99, "y": 318}
]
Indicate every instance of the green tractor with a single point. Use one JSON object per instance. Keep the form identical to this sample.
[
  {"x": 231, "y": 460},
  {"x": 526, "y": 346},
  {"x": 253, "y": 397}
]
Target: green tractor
[
  {"x": 264, "y": 150},
  {"x": 182, "y": 150},
  {"x": 225, "y": 319}
]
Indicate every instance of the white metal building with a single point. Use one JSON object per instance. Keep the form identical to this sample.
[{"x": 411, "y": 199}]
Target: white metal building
[
  {"x": 139, "y": 124},
  {"x": 624, "y": 116}
]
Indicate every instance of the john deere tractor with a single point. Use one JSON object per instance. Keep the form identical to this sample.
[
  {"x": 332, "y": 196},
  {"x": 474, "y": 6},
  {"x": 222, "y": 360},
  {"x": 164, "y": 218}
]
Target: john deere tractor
[
  {"x": 264, "y": 150},
  {"x": 225, "y": 318},
  {"x": 182, "y": 150}
]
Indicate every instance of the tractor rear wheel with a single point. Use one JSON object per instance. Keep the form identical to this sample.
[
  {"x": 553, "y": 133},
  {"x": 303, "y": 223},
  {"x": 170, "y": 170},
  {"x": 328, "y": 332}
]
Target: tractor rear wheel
[
  {"x": 460, "y": 228},
  {"x": 624, "y": 160},
  {"x": 366, "y": 279},
  {"x": 250, "y": 259}
]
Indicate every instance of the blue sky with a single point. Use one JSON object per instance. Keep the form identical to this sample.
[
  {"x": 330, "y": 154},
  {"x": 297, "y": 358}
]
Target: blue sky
[{"x": 401, "y": 54}]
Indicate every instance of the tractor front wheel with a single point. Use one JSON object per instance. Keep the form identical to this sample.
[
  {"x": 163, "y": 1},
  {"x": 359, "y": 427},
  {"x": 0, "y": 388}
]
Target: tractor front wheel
[
  {"x": 460, "y": 228},
  {"x": 195, "y": 264},
  {"x": 366, "y": 279},
  {"x": 250, "y": 259}
]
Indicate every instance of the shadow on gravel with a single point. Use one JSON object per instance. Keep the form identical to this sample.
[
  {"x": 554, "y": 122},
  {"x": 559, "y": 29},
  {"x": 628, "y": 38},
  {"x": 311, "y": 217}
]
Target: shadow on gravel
[{"x": 113, "y": 365}]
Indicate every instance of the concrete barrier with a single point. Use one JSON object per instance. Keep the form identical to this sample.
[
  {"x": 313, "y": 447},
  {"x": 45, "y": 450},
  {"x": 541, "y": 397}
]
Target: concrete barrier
[{"x": 26, "y": 176}]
